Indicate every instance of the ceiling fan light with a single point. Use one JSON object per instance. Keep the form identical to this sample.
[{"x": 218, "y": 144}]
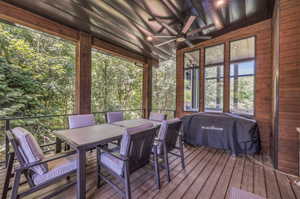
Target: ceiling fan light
[
  {"x": 150, "y": 38},
  {"x": 180, "y": 39},
  {"x": 220, "y": 3}
]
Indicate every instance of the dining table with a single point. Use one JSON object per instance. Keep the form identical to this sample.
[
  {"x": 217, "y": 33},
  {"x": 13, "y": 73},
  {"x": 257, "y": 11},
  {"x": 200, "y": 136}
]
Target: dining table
[{"x": 87, "y": 138}]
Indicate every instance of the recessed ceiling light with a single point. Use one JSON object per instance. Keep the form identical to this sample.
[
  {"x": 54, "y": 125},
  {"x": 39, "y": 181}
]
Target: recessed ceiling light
[{"x": 220, "y": 3}]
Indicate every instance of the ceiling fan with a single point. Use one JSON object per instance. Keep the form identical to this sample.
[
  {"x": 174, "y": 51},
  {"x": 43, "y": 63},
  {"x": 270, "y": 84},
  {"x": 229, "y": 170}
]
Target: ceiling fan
[{"x": 183, "y": 35}]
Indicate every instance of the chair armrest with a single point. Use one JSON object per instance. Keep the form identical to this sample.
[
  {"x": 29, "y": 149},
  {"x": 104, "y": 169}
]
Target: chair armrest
[
  {"x": 32, "y": 164},
  {"x": 115, "y": 154}
]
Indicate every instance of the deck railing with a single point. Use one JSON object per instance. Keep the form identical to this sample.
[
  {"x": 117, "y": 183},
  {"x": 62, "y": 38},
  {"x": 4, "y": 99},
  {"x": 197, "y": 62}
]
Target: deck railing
[{"x": 42, "y": 127}]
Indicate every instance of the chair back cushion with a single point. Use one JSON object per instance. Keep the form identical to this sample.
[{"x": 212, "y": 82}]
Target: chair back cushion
[
  {"x": 29, "y": 149},
  {"x": 78, "y": 121},
  {"x": 157, "y": 116},
  {"x": 137, "y": 145},
  {"x": 125, "y": 142},
  {"x": 114, "y": 117}
]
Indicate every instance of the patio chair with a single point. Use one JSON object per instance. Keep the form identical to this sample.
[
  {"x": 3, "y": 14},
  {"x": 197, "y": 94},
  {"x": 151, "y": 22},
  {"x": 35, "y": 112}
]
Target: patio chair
[
  {"x": 157, "y": 116},
  {"x": 38, "y": 170},
  {"x": 133, "y": 154},
  {"x": 167, "y": 140},
  {"x": 78, "y": 121},
  {"x": 112, "y": 117}
]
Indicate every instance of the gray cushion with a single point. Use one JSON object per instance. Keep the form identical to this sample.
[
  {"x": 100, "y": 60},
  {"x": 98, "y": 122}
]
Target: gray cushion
[
  {"x": 157, "y": 116},
  {"x": 30, "y": 149},
  {"x": 57, "y": 168},
  {"x": 126, "y": 136},
  {"x": 163, "y": 133},
  {"x": 114, "y": 117},
  {"x": 78, "y": 121},
  {"x": 112, "y": 163}
]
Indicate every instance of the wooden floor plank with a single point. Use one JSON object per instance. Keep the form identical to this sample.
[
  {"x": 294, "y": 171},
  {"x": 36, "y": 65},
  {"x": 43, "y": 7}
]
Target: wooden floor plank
[
  {"x": 259, "y": 179},
  {"x": 210, "y": 185},
  {"x": 247, "y": 182},
  {"x": 189, "y": 180},
  {"x": 147, "y": 189},
  {"x": 208, "y": 166},
  {"x": 237, "y": 175},
  {"x": 285, "y": 187},
  {"x": 223, "y": 183},
  {"x": 272, "y": 185}
]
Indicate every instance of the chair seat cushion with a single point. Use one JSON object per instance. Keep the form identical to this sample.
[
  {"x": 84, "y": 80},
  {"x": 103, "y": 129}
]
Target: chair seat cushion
[
  {"x": 111, "y": 162},
  {"x": 57, "y": 168},
  {"x": 30, "y": 149}
]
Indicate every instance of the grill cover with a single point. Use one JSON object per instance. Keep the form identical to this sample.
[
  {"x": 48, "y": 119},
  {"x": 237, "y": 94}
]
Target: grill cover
[{"x": 231, "y": 132}]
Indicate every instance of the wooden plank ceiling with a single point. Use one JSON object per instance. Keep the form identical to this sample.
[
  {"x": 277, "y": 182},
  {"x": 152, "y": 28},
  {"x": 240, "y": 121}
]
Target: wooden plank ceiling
[{"x": 128, "y": 23}]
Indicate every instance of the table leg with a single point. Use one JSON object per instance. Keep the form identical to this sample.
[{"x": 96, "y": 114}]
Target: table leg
[{"x": 81, "y": 182}]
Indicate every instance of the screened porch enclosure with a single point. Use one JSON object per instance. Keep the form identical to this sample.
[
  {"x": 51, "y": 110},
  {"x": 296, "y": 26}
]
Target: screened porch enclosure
[{"x": 149, "y": 99}]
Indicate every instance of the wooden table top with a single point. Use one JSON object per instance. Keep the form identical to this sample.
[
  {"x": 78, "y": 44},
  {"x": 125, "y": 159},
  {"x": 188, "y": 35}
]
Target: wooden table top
[
  {"x": 91, "y": 135},
  {"x": 135, "y": 123}
]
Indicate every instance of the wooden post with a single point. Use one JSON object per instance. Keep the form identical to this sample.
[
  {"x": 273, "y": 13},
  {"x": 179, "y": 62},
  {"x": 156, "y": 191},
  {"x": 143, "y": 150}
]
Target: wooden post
[
  {"x": 226, "y": 92},
  {"x": 83, "y": 74},
  {"x": 147, "y": 87}
]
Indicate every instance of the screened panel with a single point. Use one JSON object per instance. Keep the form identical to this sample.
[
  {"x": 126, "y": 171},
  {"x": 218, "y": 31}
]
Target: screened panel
[
  {"x": 164, "y": 87},
  {"x": 116, "y": 83},
  {"x": 242, "y": 49},
  {"x": 191, "y": 59},
  {"x": 242, "y": 85},
  {"x": 191, "y": 89},
  {"x": 214, "y": 81},
  {"x": 214, "y": 54}
]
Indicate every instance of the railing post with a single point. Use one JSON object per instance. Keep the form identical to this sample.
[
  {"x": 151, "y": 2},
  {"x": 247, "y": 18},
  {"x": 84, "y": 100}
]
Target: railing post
[
  {"x": 58, "y": 144},
  {"x": 7, "y": 127}
]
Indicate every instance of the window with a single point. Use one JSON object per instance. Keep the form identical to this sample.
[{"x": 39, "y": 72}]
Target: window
[
  {"x": 164, "y": 86},
  {"x": 242, "y": 76},
  {"x": 191, "y": 81},
  {"x": 214, "y": 78},
  {"x": 116, "y": 84}
]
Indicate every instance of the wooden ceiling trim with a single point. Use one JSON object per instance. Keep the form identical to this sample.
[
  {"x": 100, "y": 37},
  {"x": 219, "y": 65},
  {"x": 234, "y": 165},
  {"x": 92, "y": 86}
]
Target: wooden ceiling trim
[
  {"x": 23, "y": 17},
  {"x": 117, "y": 51}
]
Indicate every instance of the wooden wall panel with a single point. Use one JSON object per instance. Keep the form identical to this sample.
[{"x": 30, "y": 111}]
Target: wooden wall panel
[
  {"x": 263, "y": 90},
  {"x": 289, "y": 85}
]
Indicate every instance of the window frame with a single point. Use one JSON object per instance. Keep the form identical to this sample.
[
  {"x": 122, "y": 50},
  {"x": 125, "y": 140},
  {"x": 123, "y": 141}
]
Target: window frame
[
  {"x": 199, "y": 75},
  {"x": 214, "y": 65},
  {"x": 239, "y": 61}
]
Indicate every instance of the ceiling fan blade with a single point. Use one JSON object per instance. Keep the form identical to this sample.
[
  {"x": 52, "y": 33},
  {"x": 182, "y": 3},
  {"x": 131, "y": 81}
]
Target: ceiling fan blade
[
  {"x": 188, "y": 24},
  {"x": 163, "y": 36},
  {"x": 164, "y": 43},
  {"x": 199, "y": 30},
  {"x": 188, "y": 43},
  {"x": 200, "y": 37}
]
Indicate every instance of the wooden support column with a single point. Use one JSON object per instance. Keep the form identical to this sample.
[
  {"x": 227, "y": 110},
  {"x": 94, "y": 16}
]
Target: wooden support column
[
  {"x": 226, "y": 93},
  {"x": 147, "y": 87},
  {"x": 83, "y": 74}
]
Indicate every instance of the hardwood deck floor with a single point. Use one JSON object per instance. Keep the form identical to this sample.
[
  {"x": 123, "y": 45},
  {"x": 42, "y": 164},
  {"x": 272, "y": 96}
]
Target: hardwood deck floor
[{"x": 209, "y": 174}]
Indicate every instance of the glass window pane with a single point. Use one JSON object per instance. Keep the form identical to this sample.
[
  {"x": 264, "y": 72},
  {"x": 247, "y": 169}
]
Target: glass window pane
[
  {"x": 242, "y": 88},
  {"x": 214, "y": 54},
  {"x": 191, "y": 59},
  {"x": 191, "y": 89},
  {"x": 214, "y": 88},
  {"x": 242, "y": 49}
]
